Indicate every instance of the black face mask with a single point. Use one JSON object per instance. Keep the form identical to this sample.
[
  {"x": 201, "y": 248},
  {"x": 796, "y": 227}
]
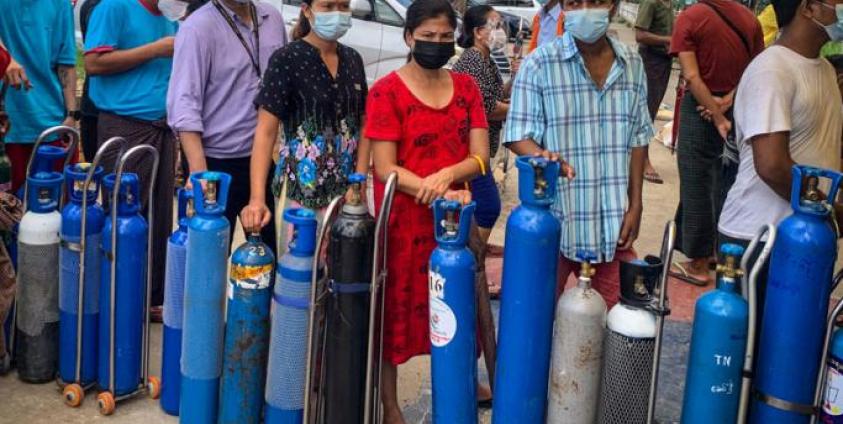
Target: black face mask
[{"x": 432, "y": 55}]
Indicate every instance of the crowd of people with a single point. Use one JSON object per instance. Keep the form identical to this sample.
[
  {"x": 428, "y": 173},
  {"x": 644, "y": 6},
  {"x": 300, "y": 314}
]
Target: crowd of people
[{"x": 225, "y": 84}]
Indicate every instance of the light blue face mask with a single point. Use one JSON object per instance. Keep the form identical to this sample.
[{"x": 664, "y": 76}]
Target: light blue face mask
[
  {"x": 331, "y": 25},
  {"x": 587, "y": 25},
  {"x": 835, "y": 30}
]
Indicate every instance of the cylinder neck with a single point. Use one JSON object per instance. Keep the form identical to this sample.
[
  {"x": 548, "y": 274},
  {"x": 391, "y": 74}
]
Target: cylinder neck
[{"x": 586, "y": 272}]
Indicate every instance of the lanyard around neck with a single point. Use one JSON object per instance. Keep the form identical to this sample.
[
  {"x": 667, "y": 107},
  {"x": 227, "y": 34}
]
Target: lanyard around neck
[{"x": 256, "y": 57}]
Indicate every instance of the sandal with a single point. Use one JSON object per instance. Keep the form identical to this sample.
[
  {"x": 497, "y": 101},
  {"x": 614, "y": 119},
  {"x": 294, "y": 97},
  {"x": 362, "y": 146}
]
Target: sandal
[
  {"x": 494, "y": 292},
  {"x": 653, "y": 177},
  {"x": 682, "y": 274}
]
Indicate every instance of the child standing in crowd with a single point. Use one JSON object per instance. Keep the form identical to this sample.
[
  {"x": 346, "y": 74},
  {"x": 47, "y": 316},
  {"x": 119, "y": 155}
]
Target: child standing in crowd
[
  {"x": 317, "y": 88},
  {"x": 428, "y": 125},
  {"x": 482, "y": 33}
]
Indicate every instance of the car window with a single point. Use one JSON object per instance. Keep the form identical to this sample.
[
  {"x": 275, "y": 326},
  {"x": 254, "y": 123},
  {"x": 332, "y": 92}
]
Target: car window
[
  {"x": 385, "y": 14},
  {"x": 293, "y": 2}
]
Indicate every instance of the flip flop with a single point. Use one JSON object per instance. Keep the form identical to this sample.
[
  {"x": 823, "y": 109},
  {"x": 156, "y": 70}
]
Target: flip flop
[
  {"x": 683, "y": 275},
  {"x": 653, "y": 177},
  {"x": 494, "y": 251}
]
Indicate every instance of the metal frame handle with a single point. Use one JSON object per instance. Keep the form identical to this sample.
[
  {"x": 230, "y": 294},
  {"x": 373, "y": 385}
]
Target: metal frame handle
[
  {"x": 371, "y": 410},
  {"x": 150, "y": 221},
  {"x": 668, "y": 243},
  {"x": 83, "y": 239},
  {"x": 749, "y": 290},
  {"x": 829, "y": 330},
  {"x": 72, "y": 147},
  {"x": 316, "y": 291},
  {"x": 74, "y": 142}
]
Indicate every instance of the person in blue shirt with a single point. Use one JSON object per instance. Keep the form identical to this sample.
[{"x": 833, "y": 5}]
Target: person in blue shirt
[
  {"x": 128, "y": 55},
  {"x": 39, "y": 36},
  {"x": 583, "y": 97}
]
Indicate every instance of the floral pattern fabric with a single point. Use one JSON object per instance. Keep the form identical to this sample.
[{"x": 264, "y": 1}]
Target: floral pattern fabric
[{"x": 321, "y": 117}]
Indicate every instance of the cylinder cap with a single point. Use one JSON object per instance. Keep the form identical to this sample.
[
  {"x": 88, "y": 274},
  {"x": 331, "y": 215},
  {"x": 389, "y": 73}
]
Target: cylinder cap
[{"x": 639, "y": 279}]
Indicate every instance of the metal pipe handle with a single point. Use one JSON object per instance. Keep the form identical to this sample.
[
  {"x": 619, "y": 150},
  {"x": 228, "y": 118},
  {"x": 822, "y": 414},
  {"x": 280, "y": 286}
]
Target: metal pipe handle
[
  {"x": 371, "y": 409},
  {"x": 83, "y": 240},
  {"x": 822, "y": 374},
  {"x": 113, "y": 299},
  {"x": 749, "y": 289},
  {"x": 71, "y": 147},
  {"x": 315, "y": 298},
  {"x": 668, "y": 244}
]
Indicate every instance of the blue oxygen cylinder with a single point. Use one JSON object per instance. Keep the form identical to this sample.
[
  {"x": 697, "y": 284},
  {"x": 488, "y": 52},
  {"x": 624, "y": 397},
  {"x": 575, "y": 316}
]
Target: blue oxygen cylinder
[
  {"x": 796, "y": 304},
  {"x": 290, "y": 306},
  {"x": 36, "y": 344},
  {"x": 204, "y": 297},
  {"x": 130, "y": 287},
  {"x": 246, "y": 333},
  {"x": 531, "y": 254},
  {"x": 718, "y": 346},
  {"x": 453, "y": 316},
  {"x": 832, "y": 406},
  {"x": 174, "y": 307},
  {"x": 69, "y": 258}
]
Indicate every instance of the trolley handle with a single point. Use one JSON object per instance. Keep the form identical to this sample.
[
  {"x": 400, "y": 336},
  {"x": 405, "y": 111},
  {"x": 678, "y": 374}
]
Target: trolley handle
[
  {"x": 668, "y": 244},
  {"x": 749, "y": 289},
  {"x": 822, "y": 375},
  {"x": 74, "y": 137}
]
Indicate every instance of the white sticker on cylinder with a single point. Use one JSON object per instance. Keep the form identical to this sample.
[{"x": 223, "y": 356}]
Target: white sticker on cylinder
[
  {"x": 833, "y": 402},
  {"x": 443, "y": 323}
]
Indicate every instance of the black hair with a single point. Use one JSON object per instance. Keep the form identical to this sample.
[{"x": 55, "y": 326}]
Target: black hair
[
  {"x": 302, "y": 27},
  {"x": 475, "y": 17},
  {"x": 422, "y": 10},
  {"x": 785, "y": 11}
]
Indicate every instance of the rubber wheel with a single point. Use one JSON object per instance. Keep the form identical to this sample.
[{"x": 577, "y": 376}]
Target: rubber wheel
[
  {"x": 73, "y": 395},
  {"x": 105, "y": 403},
  {"x": 154, "y": 387}
]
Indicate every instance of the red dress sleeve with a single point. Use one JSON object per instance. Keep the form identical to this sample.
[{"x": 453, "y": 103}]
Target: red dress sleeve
[
  {"x": 476, "y": 112},
  {"x": 5, "y": 59},
  {"x": 383, "y": 122}
]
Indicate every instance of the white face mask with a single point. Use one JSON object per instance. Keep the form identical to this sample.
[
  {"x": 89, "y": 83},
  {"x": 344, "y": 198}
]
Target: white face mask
[{"x": 173, "y": 10}]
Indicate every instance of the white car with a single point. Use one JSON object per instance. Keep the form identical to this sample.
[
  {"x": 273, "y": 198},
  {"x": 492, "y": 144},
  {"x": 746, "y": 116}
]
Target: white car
[{"x": 376, "y": 33}]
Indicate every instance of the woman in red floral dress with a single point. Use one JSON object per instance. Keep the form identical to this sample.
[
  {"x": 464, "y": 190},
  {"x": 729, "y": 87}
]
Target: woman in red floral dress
[{"x": 428, "y": 125}]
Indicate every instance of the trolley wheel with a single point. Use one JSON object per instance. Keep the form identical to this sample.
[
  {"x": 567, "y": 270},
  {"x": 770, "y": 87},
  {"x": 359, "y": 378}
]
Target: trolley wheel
[
  {"x": 105, "y": 403},
  {"x": 73, "y": 395},
  {"x": 154, "y": 387}
]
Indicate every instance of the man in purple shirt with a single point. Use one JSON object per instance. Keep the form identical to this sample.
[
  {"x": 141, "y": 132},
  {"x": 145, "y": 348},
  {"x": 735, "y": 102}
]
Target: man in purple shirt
[{"x": 221, "y": 52}]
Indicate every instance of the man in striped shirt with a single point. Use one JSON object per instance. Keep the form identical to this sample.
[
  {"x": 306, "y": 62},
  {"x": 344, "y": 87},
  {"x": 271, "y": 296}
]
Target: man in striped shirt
[{"x": 583, "y": 98}]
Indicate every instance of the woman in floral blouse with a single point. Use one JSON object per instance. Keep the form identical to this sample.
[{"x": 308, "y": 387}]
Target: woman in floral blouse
[{"x": 316, "y": 87}]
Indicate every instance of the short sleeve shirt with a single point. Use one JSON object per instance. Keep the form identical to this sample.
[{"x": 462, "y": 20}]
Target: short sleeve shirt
[
  {"x": 321, "y": 115},
  {"x": 721, "y": 55},
  {"x": 39, "y": 36},
  {"x": 655, "y": 16},
  {"x": 140, "y": 92},
  {"x": 485, "y": 73}
]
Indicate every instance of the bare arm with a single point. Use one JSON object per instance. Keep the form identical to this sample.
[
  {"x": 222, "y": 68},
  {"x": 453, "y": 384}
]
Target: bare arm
[
  {"x": 256, "y": 214},
  {"x": 265, "y": 136},
  {"x": 691, "y": 72},
  {"x": 67, "y": 77},
  {"x": 632, "y": 217},
  {"x": 648, "y": 38},
  {"x": 773, "y": 163},
  {"x": 499, "y": 114},
  {"x": 117, "y": 61},
  {"x": 364, "y": 152},
  {"x": 191, "y": 144},
  {"x": 427, "y": 189}
]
